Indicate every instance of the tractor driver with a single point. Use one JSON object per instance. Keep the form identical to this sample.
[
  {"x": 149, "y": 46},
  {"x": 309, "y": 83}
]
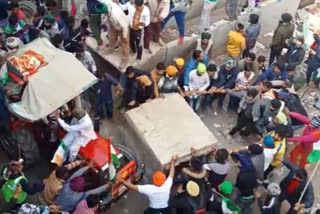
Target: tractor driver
[{"x": 79, "y": 133}]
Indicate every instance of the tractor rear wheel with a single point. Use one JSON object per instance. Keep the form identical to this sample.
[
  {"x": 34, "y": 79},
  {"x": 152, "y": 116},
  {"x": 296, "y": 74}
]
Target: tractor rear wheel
[{"x": 21, "y": 144}]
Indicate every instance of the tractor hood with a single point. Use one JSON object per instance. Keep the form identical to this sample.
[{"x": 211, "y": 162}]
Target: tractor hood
[{"x": 56, "y": 83}]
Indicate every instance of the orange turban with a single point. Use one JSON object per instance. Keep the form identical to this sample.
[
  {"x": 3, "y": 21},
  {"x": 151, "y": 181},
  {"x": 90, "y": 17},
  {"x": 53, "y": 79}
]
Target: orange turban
[
  {"x": 158, "y": 178},
  {"x": 171, "y": 70}
]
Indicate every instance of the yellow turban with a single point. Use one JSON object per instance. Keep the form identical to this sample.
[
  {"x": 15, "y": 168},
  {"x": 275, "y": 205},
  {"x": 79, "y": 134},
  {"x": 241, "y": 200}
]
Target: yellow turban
[
  {"x": 180, "y": 62},
  {"x": 144, "y": 80}
]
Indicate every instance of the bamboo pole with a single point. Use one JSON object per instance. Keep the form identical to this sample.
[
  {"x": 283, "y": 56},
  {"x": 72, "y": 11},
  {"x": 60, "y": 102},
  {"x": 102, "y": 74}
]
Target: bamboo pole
[{"x": 309, "y": 181}]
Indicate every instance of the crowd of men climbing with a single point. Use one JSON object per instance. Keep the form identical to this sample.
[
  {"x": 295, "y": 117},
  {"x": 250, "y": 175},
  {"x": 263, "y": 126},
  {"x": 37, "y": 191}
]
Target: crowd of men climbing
[{"x": 263, "y": 95}]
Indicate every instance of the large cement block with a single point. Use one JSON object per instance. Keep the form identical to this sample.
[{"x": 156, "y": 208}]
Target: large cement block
[
  {"x": 169, "y": 126},
  {"x": 174, "y": 50}
]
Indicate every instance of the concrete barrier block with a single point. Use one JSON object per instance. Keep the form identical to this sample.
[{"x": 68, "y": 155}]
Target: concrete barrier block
[
  {"x": 220, "y": 37},
  {"x": 174, "y": 50},
  {"x": 169, "y": 126}
]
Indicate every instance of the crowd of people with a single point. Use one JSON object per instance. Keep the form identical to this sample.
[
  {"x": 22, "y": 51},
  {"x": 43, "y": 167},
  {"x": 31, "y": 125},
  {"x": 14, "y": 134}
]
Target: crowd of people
[{"x": 261, "y": 91}]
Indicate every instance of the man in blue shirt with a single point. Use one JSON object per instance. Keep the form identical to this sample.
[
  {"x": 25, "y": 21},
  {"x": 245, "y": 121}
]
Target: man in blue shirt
[
  {"x": 192, "y": 64},
  {"x": 275, "y": 72},
  {"x": 104, "y": 94},
  {"x": 229, "y": 73}
]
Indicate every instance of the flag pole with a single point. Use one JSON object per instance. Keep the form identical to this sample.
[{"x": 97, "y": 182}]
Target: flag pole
[{"x": 309, "y": 181}]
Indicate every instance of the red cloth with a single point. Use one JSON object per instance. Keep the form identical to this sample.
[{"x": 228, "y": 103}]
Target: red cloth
[
  {"x": 82, "y": 208},
  {"x": 292, "y": 186},
  {"x": 20, "y": 15},
  {"x": 314, "y": 46},
  {"x": 299, "y": 152}
]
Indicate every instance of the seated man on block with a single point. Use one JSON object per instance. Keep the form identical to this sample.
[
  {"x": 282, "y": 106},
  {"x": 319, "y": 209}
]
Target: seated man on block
[{"x": 79, "y": 133}]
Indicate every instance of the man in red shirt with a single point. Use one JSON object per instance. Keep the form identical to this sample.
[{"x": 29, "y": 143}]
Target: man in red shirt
[{"x": 293, "y": 185}]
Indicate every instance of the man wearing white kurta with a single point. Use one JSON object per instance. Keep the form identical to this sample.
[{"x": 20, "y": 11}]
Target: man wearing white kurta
[
  {"x": 119, "y": 30},
  {"x": 79, "y": 134},
  {"x": 198, "y": 82}
]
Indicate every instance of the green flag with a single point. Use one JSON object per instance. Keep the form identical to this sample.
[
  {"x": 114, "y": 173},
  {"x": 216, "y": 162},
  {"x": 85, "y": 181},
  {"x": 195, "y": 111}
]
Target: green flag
[
  {"x": 114, "y": 163},
  {"x": 314, "y": 156},
  {"x": 228, "y": 207}
]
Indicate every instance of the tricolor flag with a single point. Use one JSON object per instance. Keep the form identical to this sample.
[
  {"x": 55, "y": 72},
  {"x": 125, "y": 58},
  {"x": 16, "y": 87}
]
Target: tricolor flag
[
  {"x": 314, "y": 156},
  {"x": 228, "y": 207},
  {"x": 114, "y": 163}
]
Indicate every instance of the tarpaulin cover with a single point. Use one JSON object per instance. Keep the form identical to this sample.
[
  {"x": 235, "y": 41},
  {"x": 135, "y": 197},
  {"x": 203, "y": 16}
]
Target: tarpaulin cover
[{"x": 56, "y": 83}]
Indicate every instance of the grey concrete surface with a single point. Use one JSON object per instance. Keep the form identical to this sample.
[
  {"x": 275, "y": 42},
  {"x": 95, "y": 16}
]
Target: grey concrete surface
[{"x": 155, "y": 123}]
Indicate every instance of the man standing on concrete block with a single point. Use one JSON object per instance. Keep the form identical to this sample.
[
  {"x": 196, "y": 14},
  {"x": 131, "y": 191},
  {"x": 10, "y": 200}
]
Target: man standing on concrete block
[
  {"x": 206, "y": 14},
  {"x": 178, "y": 9},
  {"x": 95, "y": 9},
  {"x": 234, "y": 8},
  {"x": 139, "y": 18},
  {"x": 204, "y": 44},
  {"x": 159, "y": 10},
  {"x": 236, "y": 42},
  {"x": 283, "y": 32},
  {"x": 119, "y": 30},
  {"x": 159, "y": 193}
]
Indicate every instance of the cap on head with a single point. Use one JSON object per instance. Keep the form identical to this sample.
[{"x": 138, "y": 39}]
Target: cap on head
[
  {"x": 230, "y": 63},
  {"x": 193, "y": 189},
  {"x": 171, "y": 70},
  {"x": 78, "y": 113},
  {"x": 282, "y": 118},
  {"x": 274, "y": 189},
  {"x": 49, "y": 18},
  {"x": 201, "y": 68},
  {"x": 286, "y": 17},
  {"x": 205, "y": 35},
  {"x": 158, "y": 178},
  {"x": 268, "y": 141},
  {"x": 315, "y": 122},
  {"x": 180, "y": 62},
  {"x": 12, "y": 42},
  {"x": 226, "y": 187},
  {"x": 101, "y": 8}
]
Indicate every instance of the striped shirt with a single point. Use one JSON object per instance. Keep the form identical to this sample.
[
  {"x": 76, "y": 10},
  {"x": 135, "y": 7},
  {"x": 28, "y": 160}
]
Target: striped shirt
[{"x": 82, "y": 208}]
